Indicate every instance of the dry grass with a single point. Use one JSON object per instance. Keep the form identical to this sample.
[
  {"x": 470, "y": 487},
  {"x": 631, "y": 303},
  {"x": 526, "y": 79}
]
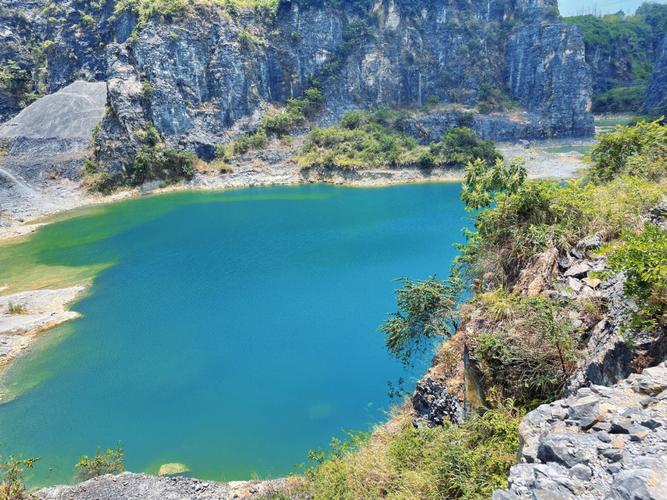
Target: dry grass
[{"x": 16, "y": 309}]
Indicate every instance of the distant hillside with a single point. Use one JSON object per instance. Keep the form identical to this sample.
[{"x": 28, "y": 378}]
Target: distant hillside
[{"x": 622, "y": 51}]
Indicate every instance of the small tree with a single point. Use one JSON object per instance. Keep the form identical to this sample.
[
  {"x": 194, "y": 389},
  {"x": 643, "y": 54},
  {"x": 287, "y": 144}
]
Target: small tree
[
  {"x": 482, "y": 183},
  {"x": 12, "y": 486},
  {"x": 111, "y": 461},
  {"x": 426, "y": 310}
]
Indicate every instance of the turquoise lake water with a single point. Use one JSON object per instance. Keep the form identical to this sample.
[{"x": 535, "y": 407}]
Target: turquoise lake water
[{"x": 230, "y": 331}]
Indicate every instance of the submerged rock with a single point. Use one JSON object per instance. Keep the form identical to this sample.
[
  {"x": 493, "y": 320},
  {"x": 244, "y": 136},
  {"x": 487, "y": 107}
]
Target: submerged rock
[{"x": 173, "y": 469}]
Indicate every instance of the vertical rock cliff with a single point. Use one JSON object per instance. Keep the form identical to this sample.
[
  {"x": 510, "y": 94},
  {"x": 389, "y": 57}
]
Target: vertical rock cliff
[
  {"x": 656, "y": 95},
  {"x": 199, "y": 76}
]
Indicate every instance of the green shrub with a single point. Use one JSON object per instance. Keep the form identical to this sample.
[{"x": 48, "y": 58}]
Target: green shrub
[
  {"x": 17, "y": 81},
  {"x": 628, "y": 169},
  {"x": 281, "y": 123},
  {"x": 639, "y": 150},
  {"x": 176, "y": 9},
  {"x": 622, "y": 47},
  {"x": 159, "y": 162},
  {"x": 147, "y": 89},
  {"x": 492, "y": 98},
  {"x": 643, "y": 258},
  {"x": 482, "y": 182},
  {"x": 13, "y": 77},
  {"x": 460, "y": 146},
  {"x": 620, "y": 99},
  {"x": 98, "y": 182},
  {"x": 375, "y": 140},
  {"x": 12, "y": 486},
  {"x": 530, "y": 353},
  {"x": 249, "y": 41},
  {"x": 111, "y": 461},
  {"x": 545, "y": 214}
]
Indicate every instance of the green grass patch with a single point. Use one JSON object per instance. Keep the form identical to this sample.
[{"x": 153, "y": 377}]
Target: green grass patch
[
  {"x": 453, "y": 461},
  {"x": 568, "y": 149}
]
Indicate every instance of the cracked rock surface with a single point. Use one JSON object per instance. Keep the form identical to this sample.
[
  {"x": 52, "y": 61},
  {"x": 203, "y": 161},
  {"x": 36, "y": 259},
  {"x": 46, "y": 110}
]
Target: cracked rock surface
[{"x": 601, "y": 442}]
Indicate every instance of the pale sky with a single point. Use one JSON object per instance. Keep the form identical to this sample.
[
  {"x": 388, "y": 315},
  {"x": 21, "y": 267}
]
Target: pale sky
[{"x": 576, "y": 7}]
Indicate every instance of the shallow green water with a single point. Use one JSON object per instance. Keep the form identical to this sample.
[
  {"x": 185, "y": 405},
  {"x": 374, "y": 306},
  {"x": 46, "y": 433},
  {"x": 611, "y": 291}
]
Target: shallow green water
[
  {"x": 573, "y": 148},
  {"x": 228, "y": 331}
]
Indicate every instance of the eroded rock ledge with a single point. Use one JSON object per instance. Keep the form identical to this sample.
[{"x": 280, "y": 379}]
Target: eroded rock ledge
[{"x": 602, "y": 442}]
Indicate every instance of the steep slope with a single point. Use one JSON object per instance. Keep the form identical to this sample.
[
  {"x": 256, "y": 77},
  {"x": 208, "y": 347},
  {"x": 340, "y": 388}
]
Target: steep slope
[
  {"x": 43, "y": 148},
  {"x": 195, "y": 78}
]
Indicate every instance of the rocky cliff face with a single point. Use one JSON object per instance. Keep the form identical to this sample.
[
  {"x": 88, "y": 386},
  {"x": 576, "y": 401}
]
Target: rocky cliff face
[
  {"x": 607, "y": 438},
  {"x": 549, "y": 75},
  {"x": 656, "y": 95},
  {"x": 200, "y": 77}
]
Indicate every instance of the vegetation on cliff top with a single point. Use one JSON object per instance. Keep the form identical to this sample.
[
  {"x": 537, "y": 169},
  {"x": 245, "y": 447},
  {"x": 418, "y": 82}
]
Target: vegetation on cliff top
[{"x": 169, "y": 9}]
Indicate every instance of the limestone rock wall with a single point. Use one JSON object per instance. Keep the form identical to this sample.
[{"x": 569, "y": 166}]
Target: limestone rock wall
[{"x": 200, "y": 78}]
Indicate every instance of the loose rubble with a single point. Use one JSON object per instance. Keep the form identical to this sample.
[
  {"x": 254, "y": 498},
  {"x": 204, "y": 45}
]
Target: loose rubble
[
  {"x": 130, "y": 486},
  {"x": 601, "y": 442}
]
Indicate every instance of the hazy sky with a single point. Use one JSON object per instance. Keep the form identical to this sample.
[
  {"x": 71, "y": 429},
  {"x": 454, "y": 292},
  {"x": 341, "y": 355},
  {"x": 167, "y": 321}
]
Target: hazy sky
[{"x": 574, "y": 7}]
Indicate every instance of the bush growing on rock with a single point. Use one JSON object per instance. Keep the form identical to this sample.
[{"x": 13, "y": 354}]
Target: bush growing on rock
[
  {"x": 526, "y": 349},
  {"x": 111, "y": 461},
  {"x": 159, "y": 162},
  {"x": 174, "y": 9},
  {"x": 426, "y": 310},
  {"x": 278, "y": 124},
  {"x": 643, "y": 259},
  {"x": 12, "y": 486},
  {"x": 545, "y": 214},
  {"x": 483, "y": 182}
]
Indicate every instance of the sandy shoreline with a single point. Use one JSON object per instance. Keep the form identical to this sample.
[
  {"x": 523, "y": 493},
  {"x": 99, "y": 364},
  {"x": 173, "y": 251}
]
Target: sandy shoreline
[{"x": 24, "y": 316}]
